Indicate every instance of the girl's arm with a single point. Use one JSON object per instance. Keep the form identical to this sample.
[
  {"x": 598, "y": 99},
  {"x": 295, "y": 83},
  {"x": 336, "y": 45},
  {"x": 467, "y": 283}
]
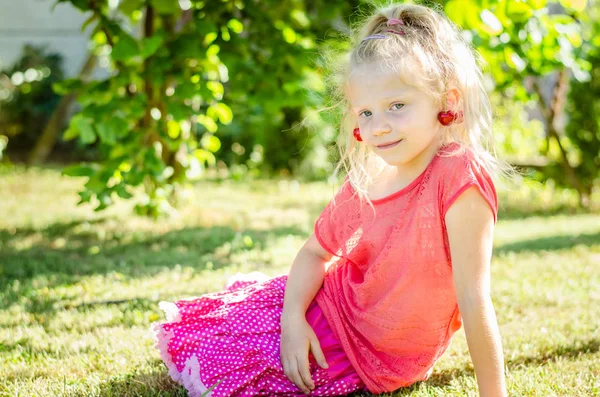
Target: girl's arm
[
  {"x": 297, "y": 336},
  {"x": 305, "y": 278},
  {"x": 470, "y": 226}
]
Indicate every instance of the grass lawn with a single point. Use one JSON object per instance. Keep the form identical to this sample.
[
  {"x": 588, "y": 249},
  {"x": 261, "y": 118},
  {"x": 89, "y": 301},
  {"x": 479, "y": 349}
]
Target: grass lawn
[{"x": 78, "y": 289}]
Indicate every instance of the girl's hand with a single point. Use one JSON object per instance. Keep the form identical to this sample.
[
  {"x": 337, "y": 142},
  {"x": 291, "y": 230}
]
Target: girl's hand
[{"x": 297, "y": 339}]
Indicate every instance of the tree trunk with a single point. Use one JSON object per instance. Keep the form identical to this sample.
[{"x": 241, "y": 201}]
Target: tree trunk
[
  {"x": 550, "y": 113},
  {"x": 47, "y": 140}
]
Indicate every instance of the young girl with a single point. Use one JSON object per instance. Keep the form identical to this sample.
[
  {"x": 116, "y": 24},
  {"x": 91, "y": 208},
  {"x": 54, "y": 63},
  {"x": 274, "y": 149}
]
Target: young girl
[{"x": 399, "y": 259}]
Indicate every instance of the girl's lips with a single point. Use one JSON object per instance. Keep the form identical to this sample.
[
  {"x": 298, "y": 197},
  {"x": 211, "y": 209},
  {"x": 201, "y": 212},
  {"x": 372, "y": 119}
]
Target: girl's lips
[{"x": 389, "y": 145}]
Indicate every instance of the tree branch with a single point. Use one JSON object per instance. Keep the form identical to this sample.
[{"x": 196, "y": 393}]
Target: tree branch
[{"x": 549, "y": 113}]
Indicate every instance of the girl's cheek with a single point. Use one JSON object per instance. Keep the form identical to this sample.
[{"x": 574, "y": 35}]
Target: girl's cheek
[
  {"x": 405, "y": 118},
  {"x": 400, "y": 115}
]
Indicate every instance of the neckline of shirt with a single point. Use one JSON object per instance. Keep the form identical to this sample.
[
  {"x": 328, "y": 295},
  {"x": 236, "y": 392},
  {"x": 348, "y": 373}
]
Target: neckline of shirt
[{"x": 411, "y": 185}]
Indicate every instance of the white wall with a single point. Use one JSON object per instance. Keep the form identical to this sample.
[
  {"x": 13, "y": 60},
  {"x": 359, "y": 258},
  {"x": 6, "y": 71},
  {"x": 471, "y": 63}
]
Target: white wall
[{"x": 34, "y": 22}]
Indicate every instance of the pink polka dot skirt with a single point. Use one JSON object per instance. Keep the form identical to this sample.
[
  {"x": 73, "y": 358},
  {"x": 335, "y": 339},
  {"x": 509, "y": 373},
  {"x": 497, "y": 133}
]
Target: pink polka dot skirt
[{"x": 231, "y": 339}]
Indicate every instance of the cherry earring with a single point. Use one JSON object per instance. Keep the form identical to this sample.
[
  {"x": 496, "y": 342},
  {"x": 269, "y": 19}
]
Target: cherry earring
[
  {"x": 356, "y": 134},
  {"x": 448, "y": 117}
]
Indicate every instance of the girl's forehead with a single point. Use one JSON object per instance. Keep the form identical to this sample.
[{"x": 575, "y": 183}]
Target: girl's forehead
[
  {"x": 370, "y": 75},
  {"x": 370, "y": 82}
]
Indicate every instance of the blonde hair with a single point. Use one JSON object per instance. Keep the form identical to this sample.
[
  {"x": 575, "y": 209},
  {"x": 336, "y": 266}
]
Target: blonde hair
[{"x": 433, "y": 57}]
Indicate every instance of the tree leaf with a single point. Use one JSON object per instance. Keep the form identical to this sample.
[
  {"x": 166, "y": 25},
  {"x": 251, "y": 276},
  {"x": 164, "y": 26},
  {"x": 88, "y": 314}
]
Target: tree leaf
[
  {"x": 122, "y": 191},
  {"x": 463, "y": 12},
  {"x": 66, "y": 86},
  {"x": 210, "y": 142},
  {"x": 220, "y": 111},
  {"x": 518, "y": 11},
  {"x": 166, "y": 6},
  {"x": 79, "y": 170},
  {"x": 106, "y": 133},
  {"x": 89, "y": 21},
  {"x": 119, "y": 127},
  {"x": 537, "y": 4},
  {"x": 150, "y": 45},
  {"x": 128, "y": 7},
  {"x": 126, "y": 48},
  {"x": 95, "y": 184},
  {"x": 235, "y": 25},
  {"x": 577, "y": 5},
  {"x": 208, "y": 123},
  {"x": 85, "y": 127},
  {"x": 70, "y": 133},
  {"x": 178, "y": 110},
  {"x": 84, "y": 196},
  {"x": 173, "y": 129}
]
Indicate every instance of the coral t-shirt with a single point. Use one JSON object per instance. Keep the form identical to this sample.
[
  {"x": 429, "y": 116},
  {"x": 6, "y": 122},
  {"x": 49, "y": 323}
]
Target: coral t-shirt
[{"x": 388, "y": 293}]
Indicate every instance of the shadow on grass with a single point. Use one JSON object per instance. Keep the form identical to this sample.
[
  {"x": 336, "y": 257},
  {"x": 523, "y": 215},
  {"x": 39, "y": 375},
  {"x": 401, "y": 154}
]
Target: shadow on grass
[
  {"x": 86, "y": 253},
  {"x": 148, "y": 384},
  {"x": 514, "y": 213},
  {"x": 553, "y": 243},
  {"x": 444, "y": 378},
  {"x": 139, "y": 384},
  {"x": 29, "y": 351},
  {"x": 90, "y": 250},
  {"x": 574, "y": 350}
]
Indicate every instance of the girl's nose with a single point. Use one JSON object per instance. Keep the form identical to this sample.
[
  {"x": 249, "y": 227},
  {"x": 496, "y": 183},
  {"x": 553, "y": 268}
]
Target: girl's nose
[{"x": 381, "y": 127}]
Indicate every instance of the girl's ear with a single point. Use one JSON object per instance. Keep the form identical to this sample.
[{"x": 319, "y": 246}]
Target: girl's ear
[{"x": 452, "y": 98}]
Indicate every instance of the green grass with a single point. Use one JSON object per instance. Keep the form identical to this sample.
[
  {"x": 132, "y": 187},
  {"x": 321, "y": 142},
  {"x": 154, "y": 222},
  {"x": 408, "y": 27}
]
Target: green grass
[{"x": 78, "y": 290}]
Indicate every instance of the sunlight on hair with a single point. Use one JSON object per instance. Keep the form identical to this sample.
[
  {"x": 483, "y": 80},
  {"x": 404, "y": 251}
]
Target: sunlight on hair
[{"x": 431, "y": 54}]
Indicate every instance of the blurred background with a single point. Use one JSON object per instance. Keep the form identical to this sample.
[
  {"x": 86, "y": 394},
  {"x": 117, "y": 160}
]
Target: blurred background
[
  {"x": 151, "y": 148},
  {"x": 164, "y": 92}
]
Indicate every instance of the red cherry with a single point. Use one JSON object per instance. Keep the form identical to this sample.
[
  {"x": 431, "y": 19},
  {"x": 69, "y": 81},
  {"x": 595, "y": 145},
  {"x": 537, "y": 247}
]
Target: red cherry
[
  {"x": 446, "y": 118},
  {"x": 356, "y": 133}
]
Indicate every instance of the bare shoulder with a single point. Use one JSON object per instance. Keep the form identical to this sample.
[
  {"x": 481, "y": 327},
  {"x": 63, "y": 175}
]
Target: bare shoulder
[
  {"x": 470, "y": 209},
  {"x": 470, "y": 227},
  {"x": 313, "y": 245}
]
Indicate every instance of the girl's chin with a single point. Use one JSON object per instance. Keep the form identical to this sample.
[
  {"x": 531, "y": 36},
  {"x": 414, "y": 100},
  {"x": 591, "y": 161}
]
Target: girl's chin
[{"x": 394, "y": 162}]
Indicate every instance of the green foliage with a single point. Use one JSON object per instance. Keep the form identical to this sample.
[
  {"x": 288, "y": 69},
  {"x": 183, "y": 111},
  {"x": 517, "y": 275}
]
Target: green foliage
[
  {"x": 524, "y": 38},
  {"x": 274, "y": 67},
  {"x": 225, "y": 84},
  {"x": 528, "y": 40},
  {"x": 155, "y": 117},
  {"x": 3, "y": 144},
  {"x": 215, "y": 75},
  {"x": 518, "y": 139},
  {"x": 26, "y": 97},
  {"x": 583, "y": 109}
]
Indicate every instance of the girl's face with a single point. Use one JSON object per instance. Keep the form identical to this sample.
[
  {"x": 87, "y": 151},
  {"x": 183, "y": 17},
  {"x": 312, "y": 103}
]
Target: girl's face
[{"x": 397, "y": 121}]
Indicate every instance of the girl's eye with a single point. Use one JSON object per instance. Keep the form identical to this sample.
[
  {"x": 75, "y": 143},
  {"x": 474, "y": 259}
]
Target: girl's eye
[{"x": 367, "y": 113}]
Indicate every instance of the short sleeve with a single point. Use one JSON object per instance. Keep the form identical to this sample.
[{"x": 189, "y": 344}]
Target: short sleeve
[
  {"x": 328, "y": 222},
  {"x": 460, "y": 173}
]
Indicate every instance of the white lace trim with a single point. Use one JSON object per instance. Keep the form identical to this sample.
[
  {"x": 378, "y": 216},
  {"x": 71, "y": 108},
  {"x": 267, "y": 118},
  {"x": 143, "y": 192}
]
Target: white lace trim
[
  {"x": 190, "y": 377},
  {"x": 161, "y": 342},
  {"x": 171, "y": 311}
]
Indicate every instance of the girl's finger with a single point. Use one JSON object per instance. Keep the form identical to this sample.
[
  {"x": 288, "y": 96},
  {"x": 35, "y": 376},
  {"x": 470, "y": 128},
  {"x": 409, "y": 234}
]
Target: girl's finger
[
  {"x": 286, "y": 367},
  {"x": 304, "y": 370},
  {"x": 315, "y": 348},
  {"x": 294, "y": 376}
]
